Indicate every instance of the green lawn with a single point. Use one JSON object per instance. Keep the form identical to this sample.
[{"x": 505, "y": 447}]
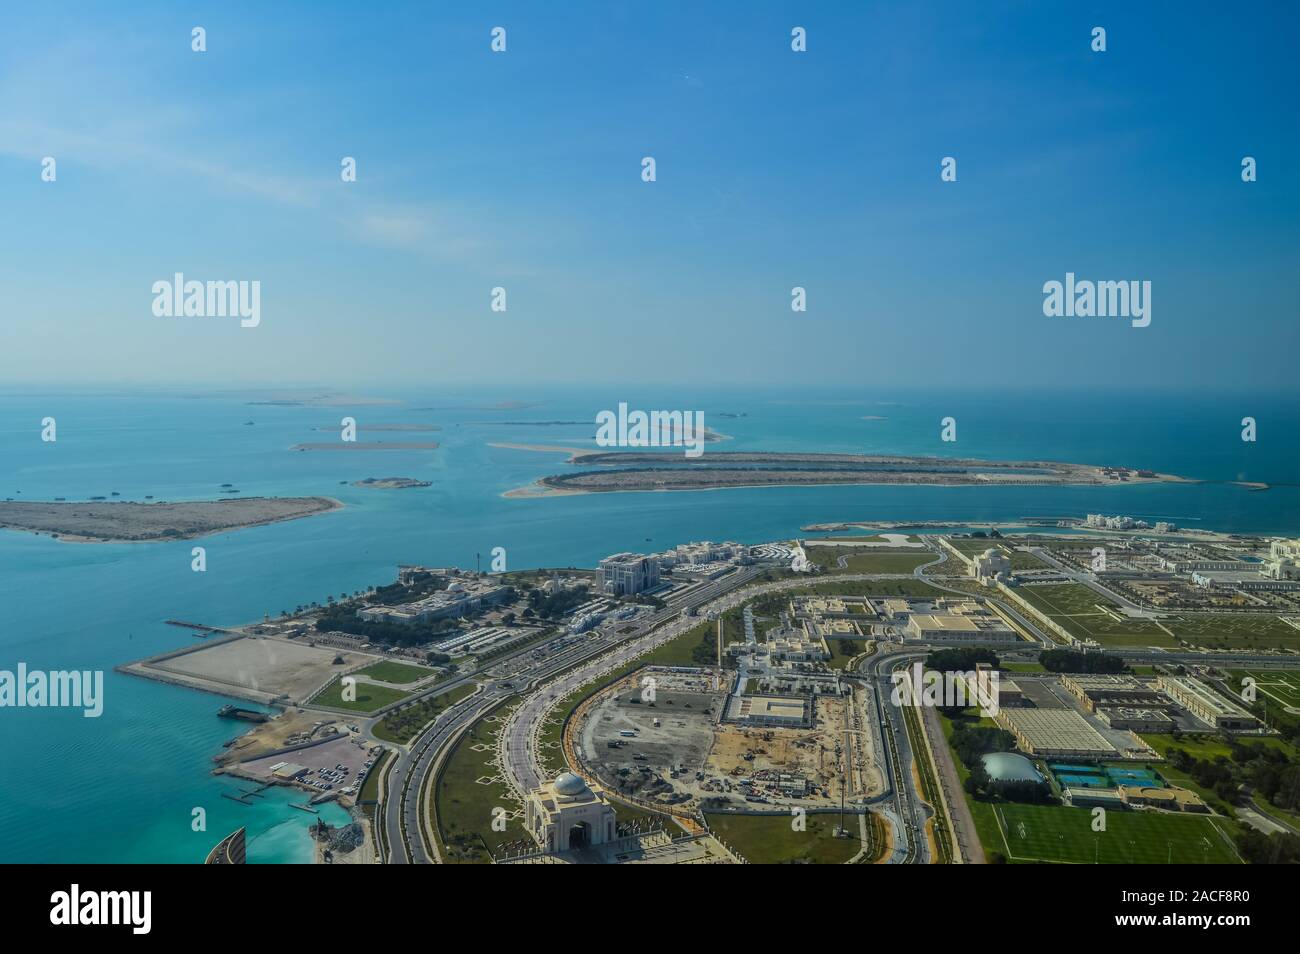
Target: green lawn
[
  {"x": 696, "y": 647},
  {"x": 972, "y": 546},
  {"x": 842, "y": 650},
  {"x": 1078, "y": 609},
  {"x": 369, "y": 697},
  {"x": 1208, "y": 747},
  {"x": 1276, "y": 688},
  {"x": 868, "y": 559},
  {"x": 1205, "y": 746},
  {"x": 398, "y": 673},
  {"x": 986, "y": 824},
  {"x": 400, "y": 725},
  {"x": 1272, "y": 811},
  {"x": 875, "y": 538},
  {"x": 549, "y": 750},
  {"x": 370, "y": 787},
  {"x": 1053, "y": 833},
  {"x": 1231, "y": 630},
  {"x": 879, "y": 588},
  {"x": 467, "y": 794},
  {"x": 771, "y": 840},
  {"x": 1024, "y": 561},
  {"x": 469, "y": 788}
]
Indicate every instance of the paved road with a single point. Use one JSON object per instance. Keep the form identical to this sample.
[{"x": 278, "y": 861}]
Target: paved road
[
  {"x": 578, "y": 659},
  {"x": 400, "y": 813},
  {"x": 963, "y": 822},
  {"x": 522, "y": 762},
  {"x": 909, "y": 811},
  {"x": 410, "y": 775},
  {"x": 1006, "y": 607},
  {"x": 1141, "y": 654}
]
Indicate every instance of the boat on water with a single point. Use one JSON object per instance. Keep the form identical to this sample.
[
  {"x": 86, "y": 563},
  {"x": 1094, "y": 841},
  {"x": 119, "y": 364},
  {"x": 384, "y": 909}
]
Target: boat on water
[{"x": 248, "y": 715}]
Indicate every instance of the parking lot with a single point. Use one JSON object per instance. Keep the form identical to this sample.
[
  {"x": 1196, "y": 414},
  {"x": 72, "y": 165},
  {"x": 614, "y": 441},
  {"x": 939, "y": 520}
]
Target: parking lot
[{"x": 338, "y": 765}]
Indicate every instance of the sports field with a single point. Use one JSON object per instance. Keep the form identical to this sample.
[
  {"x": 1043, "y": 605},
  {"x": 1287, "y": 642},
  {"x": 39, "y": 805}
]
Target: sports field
[
  {"x": 1078, "y": 609},
  {"x": 1272, "y": 687},
  {"x": 1053, "y": 833}
]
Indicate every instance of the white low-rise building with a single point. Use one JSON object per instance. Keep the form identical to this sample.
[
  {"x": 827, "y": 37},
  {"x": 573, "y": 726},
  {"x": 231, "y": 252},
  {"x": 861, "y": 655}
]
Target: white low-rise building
[
  {"x": 1284, "y": 560},
  {"x": 959, "y": 621},
  {"x": 568, "y": 814},
  {"x": 1206, "y": 704},
  {"x": 990, "y": 564}
]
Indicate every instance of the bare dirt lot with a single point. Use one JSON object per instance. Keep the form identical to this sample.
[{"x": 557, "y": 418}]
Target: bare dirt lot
[
  {"x": 275, "y": 734},
  {"x": 812, "y": 753},
  {"x": 270, "y": 667},
  {"x": 661, "y": 763},
  {"x": 642, "y": 764}
]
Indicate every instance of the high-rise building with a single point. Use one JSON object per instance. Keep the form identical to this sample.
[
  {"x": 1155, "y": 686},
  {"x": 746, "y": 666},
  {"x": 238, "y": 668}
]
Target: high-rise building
[{"x": 625, "y": 574}]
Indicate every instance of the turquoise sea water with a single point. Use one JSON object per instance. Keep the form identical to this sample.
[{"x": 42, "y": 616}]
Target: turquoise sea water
[{"x": 122, "y": 787}]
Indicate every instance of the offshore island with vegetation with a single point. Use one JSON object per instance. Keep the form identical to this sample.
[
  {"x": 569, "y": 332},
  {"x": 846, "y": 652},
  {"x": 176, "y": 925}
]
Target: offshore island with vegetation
[
  {"x": 642, "y": 470},
  {"x": 126, "y": 521}
]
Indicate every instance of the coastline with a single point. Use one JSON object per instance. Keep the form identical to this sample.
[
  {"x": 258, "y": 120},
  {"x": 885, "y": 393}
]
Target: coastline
[
  {"x": 643, "y": 471},
  {"x": 573, "y": 452},
  {"x": 540, "y": 488},
  {"x": 117, "y": 515},
  {"x": 364, "y": 445}
]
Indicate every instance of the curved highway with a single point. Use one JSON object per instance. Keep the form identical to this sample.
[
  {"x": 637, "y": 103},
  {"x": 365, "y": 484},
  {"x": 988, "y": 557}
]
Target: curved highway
[{"x": 544, "y": 675}]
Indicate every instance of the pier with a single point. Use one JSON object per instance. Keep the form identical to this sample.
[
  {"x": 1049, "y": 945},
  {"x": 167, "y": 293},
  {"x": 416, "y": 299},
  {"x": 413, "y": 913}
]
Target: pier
[{"x": 245, "y": 796}]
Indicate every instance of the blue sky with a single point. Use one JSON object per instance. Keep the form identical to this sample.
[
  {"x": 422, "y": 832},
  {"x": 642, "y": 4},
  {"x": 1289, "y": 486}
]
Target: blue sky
[{"x": 775, "y": 169}]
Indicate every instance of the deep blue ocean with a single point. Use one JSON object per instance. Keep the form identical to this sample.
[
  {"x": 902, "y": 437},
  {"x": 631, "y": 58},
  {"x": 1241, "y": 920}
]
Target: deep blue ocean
[{"x": 122, "y": 787}]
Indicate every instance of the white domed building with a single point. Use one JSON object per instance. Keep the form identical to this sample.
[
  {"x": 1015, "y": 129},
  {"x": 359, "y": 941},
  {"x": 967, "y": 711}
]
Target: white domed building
[
  {"x": 990, "y": 565},
  {"x": 568, "y": 813}
]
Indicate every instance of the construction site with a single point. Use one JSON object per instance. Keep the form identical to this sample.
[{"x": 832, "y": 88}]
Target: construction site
[{"x": 667, "y": 739}]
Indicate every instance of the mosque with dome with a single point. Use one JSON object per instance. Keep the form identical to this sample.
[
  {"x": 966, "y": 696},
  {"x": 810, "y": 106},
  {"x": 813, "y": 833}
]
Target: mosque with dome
[{"x": 568, "y": 813}]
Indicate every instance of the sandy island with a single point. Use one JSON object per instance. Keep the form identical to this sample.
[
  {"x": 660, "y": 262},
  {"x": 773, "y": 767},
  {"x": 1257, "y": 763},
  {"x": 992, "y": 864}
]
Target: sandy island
[
  {"x": 282, "y": 398},
  {"x": 131, "y": 522},
  {"x": 661, "y": 471},
  {"x": 573, "y": 452},
  {"x": 708, "y": 437},
  {"x": 384, "y": 427},
  {"x": 365, "y": 445},
  {"x": 499, "y": 406},
  {"x": 390, "y": 483}
]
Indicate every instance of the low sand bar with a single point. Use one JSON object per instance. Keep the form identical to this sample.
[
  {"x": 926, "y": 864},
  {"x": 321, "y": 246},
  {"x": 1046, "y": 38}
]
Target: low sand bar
[
  {"x": 365, "y": 445},
  {"x": 130, "y": 522}
]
